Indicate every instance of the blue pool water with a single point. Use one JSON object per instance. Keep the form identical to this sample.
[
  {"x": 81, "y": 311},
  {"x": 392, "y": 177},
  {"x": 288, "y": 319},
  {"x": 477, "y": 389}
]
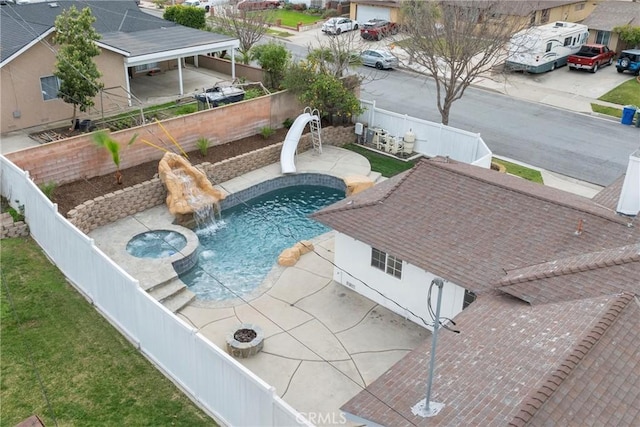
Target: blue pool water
[
  {"x": 156, "y": 244},
  {"x": 239, "y": 250}
]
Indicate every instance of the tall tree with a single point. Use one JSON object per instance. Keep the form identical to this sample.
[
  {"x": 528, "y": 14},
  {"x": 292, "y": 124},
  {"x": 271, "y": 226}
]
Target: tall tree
[
  {"x": 247, "y": 26},
  {"x": 273, "y": 58},
  {"x": 458, "y": 41},
  {"x": 75, "y": 67}
]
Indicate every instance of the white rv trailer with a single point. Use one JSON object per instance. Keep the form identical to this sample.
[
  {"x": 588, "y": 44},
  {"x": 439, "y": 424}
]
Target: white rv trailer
[{"x": 546, "y": 47}]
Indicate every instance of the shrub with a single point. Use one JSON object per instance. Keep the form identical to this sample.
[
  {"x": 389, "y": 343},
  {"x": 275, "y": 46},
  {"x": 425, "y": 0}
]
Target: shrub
[
  {"x": 300, "y": 6},
  {"x": 48, "y": 189},
  {"x": 267, "y": 131},
  {"x": 288, "y": 122},
  {"x": 186, "y": 109},
  {"x": 252, "y": 93},
  {"x": 329, "y": 13},
  {"x": 203, "y": 145}
]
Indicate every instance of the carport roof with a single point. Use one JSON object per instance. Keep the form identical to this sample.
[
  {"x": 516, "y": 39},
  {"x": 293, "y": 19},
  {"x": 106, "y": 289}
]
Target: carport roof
[
  {"x": 123, "y": 26},
  {"x": 164, "y": 43}
]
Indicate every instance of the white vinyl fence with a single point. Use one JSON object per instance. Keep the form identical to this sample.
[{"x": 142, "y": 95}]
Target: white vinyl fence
[
  {"x": 207, "y": 374},
  {"x": 432, "y": 139}
]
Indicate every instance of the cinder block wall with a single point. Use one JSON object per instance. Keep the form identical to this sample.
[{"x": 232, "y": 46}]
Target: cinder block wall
[
  {"x": 9, "y": 228},
  {"x": 131, "y": 200},
  {"x": 79, "y": 158}
]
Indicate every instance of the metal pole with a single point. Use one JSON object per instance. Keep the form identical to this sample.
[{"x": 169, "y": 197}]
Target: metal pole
[{"x": 434, "y": 339}]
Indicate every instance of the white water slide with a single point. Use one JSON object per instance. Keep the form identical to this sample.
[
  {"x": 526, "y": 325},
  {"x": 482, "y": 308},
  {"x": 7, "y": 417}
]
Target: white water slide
[{"x": 287, "y": 155}]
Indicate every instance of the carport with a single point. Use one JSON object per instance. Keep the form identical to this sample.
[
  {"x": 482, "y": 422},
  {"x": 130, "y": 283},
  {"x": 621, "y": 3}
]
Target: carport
[{"x": 144, "y": 49}]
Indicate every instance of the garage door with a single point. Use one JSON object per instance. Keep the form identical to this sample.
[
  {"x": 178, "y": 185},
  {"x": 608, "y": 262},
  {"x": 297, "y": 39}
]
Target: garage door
[{"x": 365, "y": 13}]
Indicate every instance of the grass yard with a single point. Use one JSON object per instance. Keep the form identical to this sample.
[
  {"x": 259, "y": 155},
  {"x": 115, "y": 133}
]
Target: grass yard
[
  {"x": 387, "y": 166},
  {"x": 290, "y": 18},
  {"x": 628, "y": 93},
  {"x": 521, "y": 171},
  {"x": 64, "y": 362},
  {"x": 609, "y": 111}
]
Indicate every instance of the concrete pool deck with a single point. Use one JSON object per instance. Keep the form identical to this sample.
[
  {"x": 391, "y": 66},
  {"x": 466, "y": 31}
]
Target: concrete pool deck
[{"x": 323, "y": 342}]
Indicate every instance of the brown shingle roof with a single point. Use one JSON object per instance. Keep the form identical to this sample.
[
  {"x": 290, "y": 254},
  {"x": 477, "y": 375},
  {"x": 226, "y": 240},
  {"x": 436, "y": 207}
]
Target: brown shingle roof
[
  {"x": 506, "y": 351},
  {"x": 597, "y": 384},
  {"x": 610, "y": 14},
  {"x": 471, "y": 225},
  {"x": 619, "y": 270},
  {"x": 609, "y": 196}
]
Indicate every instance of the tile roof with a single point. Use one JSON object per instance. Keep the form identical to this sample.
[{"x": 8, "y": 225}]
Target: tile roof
[
  {"x": 597, "y": 384},
  {"x": 508, "y": 355},
  {"x": 472, "y": 225},
  {"x": 608, "y": 197},
  {"x": 552, "y": 281},
  {"x": 609, "y": 14}
]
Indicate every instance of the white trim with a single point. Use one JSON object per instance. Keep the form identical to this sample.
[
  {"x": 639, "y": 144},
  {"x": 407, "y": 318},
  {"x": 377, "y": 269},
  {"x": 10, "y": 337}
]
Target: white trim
[
  {"x": 113, "y": 49},
  {"x": 173, "y": 54},
  {"x": 27, "y": 47}
]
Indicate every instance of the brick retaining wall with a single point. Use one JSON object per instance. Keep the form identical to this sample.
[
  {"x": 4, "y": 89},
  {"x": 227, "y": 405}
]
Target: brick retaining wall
[
  {"x": 78, "y": 158},
  {"x": 131, "y": 200}
]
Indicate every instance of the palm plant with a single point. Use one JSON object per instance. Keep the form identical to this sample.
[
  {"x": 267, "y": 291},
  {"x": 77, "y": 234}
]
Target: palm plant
[{"x": 103, "y": 139}]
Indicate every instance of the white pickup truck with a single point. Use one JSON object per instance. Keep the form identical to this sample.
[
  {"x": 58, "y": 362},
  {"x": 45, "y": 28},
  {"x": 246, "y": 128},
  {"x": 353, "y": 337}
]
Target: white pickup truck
[{"x": 201, "y": 4}]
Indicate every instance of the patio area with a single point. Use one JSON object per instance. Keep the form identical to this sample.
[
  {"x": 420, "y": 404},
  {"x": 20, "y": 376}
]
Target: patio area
[{"x": 323, "y": 343}]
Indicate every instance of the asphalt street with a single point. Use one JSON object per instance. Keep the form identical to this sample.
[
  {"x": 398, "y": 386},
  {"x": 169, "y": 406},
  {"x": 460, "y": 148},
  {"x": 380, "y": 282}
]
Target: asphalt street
[{"x": 578, "y": 145}]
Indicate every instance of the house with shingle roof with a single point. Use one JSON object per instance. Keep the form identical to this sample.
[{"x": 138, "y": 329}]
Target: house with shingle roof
[
  {"x": 132, "y": 42},
  {"x": 556, "y": 279},
  {"x": 527, "y": 12},
  {"x": 608, "y": 15}
]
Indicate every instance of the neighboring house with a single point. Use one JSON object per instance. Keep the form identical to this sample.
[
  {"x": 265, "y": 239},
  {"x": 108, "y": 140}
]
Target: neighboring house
[
  {"x": 535, "y": 12},
  {"x": 552, "y": 336},
  {"x": 608, "y": 15},
  {"x": 132, "y": 43},
  {"x": 554, "y": 330}
]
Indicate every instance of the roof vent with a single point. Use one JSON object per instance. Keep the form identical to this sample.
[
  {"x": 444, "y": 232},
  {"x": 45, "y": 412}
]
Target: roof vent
[{"x": 54, "y": 5}]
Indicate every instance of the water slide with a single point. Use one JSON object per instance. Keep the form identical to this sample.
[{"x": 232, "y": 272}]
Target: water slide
[{"x": 291, "y": 142}]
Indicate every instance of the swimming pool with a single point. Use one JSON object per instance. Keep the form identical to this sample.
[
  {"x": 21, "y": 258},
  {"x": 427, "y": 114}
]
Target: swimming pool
[{"x": 238, "y": 251}]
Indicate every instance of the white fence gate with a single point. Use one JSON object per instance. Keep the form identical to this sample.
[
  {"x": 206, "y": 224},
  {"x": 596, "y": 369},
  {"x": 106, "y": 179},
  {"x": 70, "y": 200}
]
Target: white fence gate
[{"x": 208, "y": 375}]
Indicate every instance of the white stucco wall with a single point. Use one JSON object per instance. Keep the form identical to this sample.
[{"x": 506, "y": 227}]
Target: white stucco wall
[{"x": 353, "y": 260}]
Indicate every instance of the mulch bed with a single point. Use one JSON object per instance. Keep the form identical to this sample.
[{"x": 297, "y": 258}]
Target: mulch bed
[{"x": 70, "y": 195}]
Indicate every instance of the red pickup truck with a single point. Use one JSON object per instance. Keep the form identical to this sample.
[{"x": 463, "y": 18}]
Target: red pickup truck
[{"x": 591, "y": 57}]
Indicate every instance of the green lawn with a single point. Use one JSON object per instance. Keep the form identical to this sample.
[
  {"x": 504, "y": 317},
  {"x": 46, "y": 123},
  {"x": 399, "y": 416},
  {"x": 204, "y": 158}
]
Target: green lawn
[
  {"x": 609, "y": 111},
  {"x": 290, "y": 18},
  {"x": 64, "y": 362},
  {"x": 628, "y": 93},
  {"x": 387, "y": 166},
  {"x": 521, "y": 171}
]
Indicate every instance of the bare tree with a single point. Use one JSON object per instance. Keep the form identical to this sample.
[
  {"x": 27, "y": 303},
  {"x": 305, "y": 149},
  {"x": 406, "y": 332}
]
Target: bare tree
[
  {"x": 247, "y": 26},
  {"x": 334, "y": 54},
  {"x": 458, "y": 41}
]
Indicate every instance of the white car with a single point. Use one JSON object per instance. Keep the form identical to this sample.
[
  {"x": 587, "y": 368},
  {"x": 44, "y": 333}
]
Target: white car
[
  {"x": 339, "y": 25},
  {"x": 381, "y": 59}
]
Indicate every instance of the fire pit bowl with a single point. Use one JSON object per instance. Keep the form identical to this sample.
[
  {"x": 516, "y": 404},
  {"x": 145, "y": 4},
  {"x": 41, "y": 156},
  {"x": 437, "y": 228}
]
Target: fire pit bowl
[{"x": 245, "y": 341}]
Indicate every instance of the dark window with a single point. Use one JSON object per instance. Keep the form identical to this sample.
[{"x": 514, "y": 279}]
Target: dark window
[
  {"x": 567, "y": 41},
  {"x": 545, "y": 16},
  {"x": 548, "y": 47},
  {"x": 602, "y": 37},
  {"x": 469, "y": 297},
  {"x": 49, "y": 86},
  {"x": 394, "y": 266},
  {"x": 387, "y": 263},
  {"x": 378, "y": 259}
]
